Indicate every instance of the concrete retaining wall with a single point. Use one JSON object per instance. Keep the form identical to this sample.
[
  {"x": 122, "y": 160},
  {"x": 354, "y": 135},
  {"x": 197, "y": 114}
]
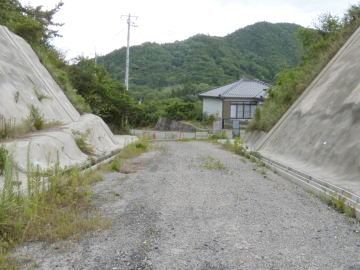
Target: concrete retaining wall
[
  {"x": 24, "y": 82},
  {"x": 319, "y": 135}
]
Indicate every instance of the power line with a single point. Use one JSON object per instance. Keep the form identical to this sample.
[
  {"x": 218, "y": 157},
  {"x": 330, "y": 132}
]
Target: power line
[{"x": 130, "y": 22}]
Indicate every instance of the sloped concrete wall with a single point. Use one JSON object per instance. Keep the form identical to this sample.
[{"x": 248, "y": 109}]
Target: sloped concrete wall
[
  {"x": 23, "y": 79},
  {"x": 320, "y": 134},
  {"x": 24, "y": 82}
]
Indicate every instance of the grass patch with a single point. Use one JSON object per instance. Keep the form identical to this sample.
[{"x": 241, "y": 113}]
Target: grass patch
[
  {"x": 221, "y": 135},
  {"x": 57, "y": 206},
  {"x": 81, "y": 140},
  {"x": 211, "y": 163},
  {"x": 239, "y": 148},
  {"x": 35, "y": 121},
  {"x": 130, "y": 151},
  {"x": 340, "y": 205}
]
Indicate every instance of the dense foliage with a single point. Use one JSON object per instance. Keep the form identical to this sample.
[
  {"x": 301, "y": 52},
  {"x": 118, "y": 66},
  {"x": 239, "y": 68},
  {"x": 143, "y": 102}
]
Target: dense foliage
[
  {"x": 320, "y": 45},
  {"x": 260, "y": 50},
  {"x": 37, "y": 27},
  {"x": 96, "y": 91},
  {"x": 166, "y": 79},
  {"x": 106, "y": 97}
]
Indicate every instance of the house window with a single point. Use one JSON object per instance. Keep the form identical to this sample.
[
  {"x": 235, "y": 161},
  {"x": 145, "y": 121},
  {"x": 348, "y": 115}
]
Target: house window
[
  {"x": 233, "y": 111},
  {"x": 243, "y": 110}
]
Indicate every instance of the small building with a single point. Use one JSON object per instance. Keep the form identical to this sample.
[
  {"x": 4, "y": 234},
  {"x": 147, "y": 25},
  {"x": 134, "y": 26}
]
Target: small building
[{"x": 235, "y": 101}]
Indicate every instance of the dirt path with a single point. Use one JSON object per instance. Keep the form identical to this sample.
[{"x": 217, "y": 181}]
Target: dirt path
[{"x": 176, "y": 214}]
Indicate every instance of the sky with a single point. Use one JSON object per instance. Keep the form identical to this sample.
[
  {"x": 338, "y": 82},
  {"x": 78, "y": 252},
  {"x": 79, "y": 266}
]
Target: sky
[{"x": 97, "y": 26}]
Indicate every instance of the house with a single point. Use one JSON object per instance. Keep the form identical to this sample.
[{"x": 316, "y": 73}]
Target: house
[{"x": 235, "y": 101}]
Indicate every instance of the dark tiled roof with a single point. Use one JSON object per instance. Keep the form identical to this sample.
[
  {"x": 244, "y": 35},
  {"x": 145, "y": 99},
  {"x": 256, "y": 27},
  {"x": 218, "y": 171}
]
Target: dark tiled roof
[{"x": 245, "y": 88}]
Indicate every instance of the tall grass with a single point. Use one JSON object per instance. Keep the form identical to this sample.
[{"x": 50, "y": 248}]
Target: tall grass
[
  {"x": 35, "y": 121},
  {"x": 56, "y": 206}
]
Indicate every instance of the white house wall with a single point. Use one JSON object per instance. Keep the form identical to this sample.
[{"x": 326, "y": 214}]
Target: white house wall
[{"x": 212, "y": 106}]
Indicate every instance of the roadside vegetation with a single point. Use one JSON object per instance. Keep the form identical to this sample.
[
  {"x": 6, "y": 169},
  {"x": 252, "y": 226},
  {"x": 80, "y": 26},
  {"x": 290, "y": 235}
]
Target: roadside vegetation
[
  {"x": 239, "y": 148},
  {"x": 340, "y": 205},
  {"x": 55, "y": 205},
  {"x": 320, "y": 46},
  {"x": 131, "y": 151}
]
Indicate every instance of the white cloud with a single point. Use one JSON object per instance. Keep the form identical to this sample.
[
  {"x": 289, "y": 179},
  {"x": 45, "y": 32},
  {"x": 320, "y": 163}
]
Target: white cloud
[{"x": 97, "y": 24}]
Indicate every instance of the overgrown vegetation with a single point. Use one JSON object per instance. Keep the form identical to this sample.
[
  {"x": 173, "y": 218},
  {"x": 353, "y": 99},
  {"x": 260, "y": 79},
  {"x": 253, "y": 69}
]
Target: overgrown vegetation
[
  {"x": 320, "y": 45},
  {"x": 56, "y": 206},
  {"x": 130, "y": 151},
  {"x": 81, "y": 140},
  {"x": 106, "y": 97},
  {"x": 340, "y": 205},
  {"x": 35, "y": 121},
  {"x": 238, "y": 147}
]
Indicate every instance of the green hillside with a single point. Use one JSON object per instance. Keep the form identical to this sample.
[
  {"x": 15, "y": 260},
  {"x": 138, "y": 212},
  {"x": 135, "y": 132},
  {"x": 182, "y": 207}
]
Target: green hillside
[
  {"x": 260, "y": 50},
  {"x": 320, "y": 46}
]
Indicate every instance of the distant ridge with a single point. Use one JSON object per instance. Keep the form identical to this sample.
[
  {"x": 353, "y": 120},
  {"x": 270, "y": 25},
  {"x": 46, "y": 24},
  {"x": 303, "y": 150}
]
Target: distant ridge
[{"x": 258, "y": 51}]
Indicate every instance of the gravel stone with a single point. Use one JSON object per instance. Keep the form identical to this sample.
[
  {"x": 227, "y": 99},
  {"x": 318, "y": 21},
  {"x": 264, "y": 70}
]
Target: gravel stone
[{"x": 175, "y": 214}]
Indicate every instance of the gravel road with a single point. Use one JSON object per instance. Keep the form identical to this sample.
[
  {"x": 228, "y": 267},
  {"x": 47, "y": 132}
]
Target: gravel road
[{"x": 174, "y": 213}]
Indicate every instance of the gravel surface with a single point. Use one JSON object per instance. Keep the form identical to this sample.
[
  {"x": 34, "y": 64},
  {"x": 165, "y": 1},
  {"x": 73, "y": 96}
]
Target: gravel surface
[{"x": 178, "y": 211}]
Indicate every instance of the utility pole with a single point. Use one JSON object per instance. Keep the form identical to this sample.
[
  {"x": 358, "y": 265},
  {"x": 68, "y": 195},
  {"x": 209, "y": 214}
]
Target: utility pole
[{"x": 130, "y": 24}]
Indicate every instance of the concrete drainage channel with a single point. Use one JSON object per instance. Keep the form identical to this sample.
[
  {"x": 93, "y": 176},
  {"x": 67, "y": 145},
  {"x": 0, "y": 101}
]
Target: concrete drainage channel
[{"x": 312, "y": 184}]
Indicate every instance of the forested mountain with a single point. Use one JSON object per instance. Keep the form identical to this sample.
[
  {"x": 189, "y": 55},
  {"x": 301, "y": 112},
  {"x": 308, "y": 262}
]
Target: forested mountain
[{"x": 260, "y": 50}]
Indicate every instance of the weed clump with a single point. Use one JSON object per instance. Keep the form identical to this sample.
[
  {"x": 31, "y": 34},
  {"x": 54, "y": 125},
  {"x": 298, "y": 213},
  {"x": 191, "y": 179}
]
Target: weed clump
[
  {"x": 211, "y": 163},
  {"x": 219, "y": 136},
  {"x": 81, "y": 140},
  {"x": 57, "y": 206},
  {"x": 339, "y": 204},
  {"x": 36, "y": 119},
  {"x": 130, "y": 151},
  {"x": 6, "y": 127}
]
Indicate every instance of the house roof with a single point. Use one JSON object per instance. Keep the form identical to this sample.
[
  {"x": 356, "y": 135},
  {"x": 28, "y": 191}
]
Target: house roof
[{"x": 245, "y": 88}]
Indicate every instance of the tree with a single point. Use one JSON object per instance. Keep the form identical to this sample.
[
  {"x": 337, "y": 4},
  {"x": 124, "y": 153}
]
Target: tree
[
  {"x": 328, "y": 23},
  {"x": 106, "y": 97},
  {"x": 34, "y": 24}
]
